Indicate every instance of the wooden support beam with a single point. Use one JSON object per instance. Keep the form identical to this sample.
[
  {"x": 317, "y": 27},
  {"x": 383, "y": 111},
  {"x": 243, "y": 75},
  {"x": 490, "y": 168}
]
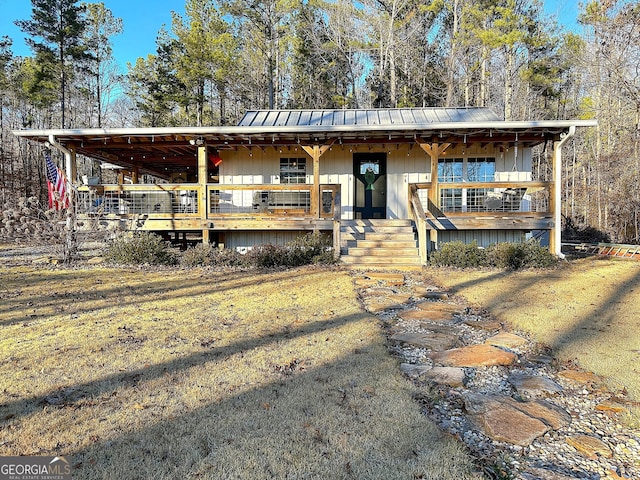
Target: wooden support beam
[
  {"x": 434, "y": 150},
  {"x": 536, "y": 222},
  {"x": 555, "y": 200},
  {"x": 315, "y": 152},
  {"x": 203, "y": 175},
  {"x": 72, "y": 173}
]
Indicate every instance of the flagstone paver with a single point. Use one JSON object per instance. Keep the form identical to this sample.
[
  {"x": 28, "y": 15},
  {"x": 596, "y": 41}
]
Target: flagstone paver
[
  {"x": 533, "y": 385},
  {"x": 431, "y": 340},
  {"x": 489, "y": 325},
  {"x": 474, "y": 356},
  {"x": 506, "y": 340},
  {"x": 502, "y": 420},
  {"x": 590, "y": 446},
  {"x": 611, "y": 406},
  {"x": 451, "y": 376},
  {"x": 414, "y": 371},
  {"x": 498, "y": 392},
  {"x": 581, "y": 377}
]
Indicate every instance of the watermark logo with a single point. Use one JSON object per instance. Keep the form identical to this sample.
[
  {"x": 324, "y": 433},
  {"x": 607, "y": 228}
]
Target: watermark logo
[{"x": 35, "y": 468}]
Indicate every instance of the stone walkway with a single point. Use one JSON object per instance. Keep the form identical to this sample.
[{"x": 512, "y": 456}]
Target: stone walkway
[{"x": 497, "y": 391}]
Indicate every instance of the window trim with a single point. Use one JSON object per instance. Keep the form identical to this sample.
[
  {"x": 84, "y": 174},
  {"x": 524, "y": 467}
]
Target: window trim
[{"x": 294, "y": 167}]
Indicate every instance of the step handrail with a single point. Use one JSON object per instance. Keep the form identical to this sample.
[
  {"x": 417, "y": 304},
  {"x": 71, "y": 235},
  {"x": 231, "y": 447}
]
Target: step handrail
[{"x": 417, "y": 214}]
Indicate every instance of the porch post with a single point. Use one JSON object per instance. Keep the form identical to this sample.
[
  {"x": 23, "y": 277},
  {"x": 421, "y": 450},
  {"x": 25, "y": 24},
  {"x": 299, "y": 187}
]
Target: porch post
[
  {"x": 434, "y": 151},
  {"x": 315, "y": 193},
  {"x": 315, "y": 152},
  {"x": 433, "y": 196},
  {"x": 203, "y": 172},
  {"x": 72, "y": 166}
]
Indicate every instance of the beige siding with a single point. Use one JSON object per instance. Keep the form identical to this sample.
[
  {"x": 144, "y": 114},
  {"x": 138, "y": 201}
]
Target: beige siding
[
  {"x": 336, "y": 167},
  {"x": 405, "y": 164}
]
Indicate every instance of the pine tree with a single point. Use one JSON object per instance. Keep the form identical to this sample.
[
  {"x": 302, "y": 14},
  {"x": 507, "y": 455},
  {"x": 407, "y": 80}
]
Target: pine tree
[
  {"x": 101, "y": 26},
  {"x": 264, "y": 26},
  {"x": 59, "y": 24},
  {"x": 205, "y": 56}
]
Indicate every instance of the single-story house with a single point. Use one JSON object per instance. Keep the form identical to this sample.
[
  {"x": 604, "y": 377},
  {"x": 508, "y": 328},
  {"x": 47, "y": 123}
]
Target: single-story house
[{"x": 389, "y": 185}]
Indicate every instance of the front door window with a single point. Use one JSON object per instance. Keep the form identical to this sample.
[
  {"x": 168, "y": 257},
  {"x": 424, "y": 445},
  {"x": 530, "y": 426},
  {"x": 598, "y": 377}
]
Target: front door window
[{"x": 370, "y": 193}]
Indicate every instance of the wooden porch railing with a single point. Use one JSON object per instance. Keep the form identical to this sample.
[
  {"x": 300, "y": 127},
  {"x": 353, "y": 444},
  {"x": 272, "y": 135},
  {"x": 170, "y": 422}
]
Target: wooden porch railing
[
  {"x": 155, "y": 200},
  {"x": 222, "y": 201},
  {"x": 479, "y": 206},
  {"x": 270, "y": 200},
  {"x": 486, "y": 198},
  {"x": 417, "y": 214}
]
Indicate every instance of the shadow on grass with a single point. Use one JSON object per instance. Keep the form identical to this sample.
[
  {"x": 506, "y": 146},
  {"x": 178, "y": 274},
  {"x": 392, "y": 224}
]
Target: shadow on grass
[
  {"x": 334, "y": 421},
  {"x": 349, "y": 416},
  {"x": 111, "y": 383},
  {"x": 16, "y": 305},
  {"x": 600, "y": 320}
]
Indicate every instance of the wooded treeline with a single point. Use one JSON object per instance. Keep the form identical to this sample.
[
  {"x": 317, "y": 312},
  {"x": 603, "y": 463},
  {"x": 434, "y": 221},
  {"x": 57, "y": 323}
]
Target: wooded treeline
[{"x": 223, "y": 57}]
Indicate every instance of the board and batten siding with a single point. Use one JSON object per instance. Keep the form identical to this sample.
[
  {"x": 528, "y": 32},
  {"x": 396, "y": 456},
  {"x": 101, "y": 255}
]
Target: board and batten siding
[
  {"x": 245, "y": 240},
  {"x": 483, "y": 238},
  {"x": 336, "y": 168},
  {"x": 405, "y": 164}
]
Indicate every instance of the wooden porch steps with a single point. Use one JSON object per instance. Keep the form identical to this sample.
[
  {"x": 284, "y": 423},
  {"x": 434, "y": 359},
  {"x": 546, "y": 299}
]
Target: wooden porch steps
[{"x": 379, "y": 244}]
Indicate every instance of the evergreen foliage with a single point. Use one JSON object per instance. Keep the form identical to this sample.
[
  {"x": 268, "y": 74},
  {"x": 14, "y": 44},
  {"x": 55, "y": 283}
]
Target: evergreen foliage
[
  {"x": 312, "y": 248},
  {"x": 140, "y": 248},
  {"x": 512, "y": 256},
  {"x": 460, "y": 255},
  {"x": 55, "y": 32},
  {"x": 224, "y": 57}
]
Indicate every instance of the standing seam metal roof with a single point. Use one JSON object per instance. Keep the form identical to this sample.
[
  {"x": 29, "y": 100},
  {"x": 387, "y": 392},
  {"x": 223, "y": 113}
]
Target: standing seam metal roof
[{"x": 394, "y": 116}]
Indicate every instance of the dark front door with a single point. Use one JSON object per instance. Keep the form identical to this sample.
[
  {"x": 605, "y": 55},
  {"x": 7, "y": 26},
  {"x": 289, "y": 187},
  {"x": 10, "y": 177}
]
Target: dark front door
[{"x": 369, "y": 170}]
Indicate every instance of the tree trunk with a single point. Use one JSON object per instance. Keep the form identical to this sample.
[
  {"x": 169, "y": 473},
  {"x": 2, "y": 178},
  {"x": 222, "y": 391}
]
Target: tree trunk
[
  {"x": 451, "y": 63},
  {"x": 508, "y": 85}
]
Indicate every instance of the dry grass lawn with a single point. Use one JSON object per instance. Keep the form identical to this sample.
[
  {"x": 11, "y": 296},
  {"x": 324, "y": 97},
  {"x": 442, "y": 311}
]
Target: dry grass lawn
[
  {"x": 587, "y": 311},
  {"x": 177, "y": 374}
]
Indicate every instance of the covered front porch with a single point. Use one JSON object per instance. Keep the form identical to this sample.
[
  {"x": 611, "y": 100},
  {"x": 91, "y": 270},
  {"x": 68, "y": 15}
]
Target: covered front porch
[
  {"x": 212, "y": 209},
  {"x": 279, "y": 173}
]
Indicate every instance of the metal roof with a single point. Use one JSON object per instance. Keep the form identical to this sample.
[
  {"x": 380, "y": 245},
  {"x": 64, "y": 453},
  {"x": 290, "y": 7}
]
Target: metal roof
[
  {"x": 390, "y": 117},
  {"x": 165, "y": 149}
]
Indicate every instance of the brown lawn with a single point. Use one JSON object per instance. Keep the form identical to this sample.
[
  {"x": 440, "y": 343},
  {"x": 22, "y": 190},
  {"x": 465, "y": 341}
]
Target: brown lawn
[
  {"x": 179, "y": 374},
  {"x": 587, "y": 311}
]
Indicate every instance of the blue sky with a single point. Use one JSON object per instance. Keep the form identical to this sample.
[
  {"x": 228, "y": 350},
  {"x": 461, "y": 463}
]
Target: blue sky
[{"x": 143, "y": 18}]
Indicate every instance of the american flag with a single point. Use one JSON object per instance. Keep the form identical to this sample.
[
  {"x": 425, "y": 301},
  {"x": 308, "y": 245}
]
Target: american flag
[{"x": 56, "y": 185}]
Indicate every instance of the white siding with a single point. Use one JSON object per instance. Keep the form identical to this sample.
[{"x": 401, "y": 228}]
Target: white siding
[
  {"x": 336, "y": 167},
  {"x": 404, "y": 165}
]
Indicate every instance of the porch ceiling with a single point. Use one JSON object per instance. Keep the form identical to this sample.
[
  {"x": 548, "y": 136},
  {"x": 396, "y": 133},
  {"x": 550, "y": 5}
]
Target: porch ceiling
[{"x": 160, "y": 151}]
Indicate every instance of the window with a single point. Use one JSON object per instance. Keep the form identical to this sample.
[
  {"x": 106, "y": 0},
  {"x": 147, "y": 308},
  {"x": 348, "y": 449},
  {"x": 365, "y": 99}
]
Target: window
[
  {"x": 481, "y": 169},
  {"x": 369, "y": 167},
  {"x": 465, "y": 170},
  {"x": 450, "y": 170},
  {"x": 293, "y": 170}
]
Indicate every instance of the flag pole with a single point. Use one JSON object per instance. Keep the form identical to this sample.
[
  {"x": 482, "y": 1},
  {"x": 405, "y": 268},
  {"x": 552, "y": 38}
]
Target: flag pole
[{"x": 71, "y": 242}]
